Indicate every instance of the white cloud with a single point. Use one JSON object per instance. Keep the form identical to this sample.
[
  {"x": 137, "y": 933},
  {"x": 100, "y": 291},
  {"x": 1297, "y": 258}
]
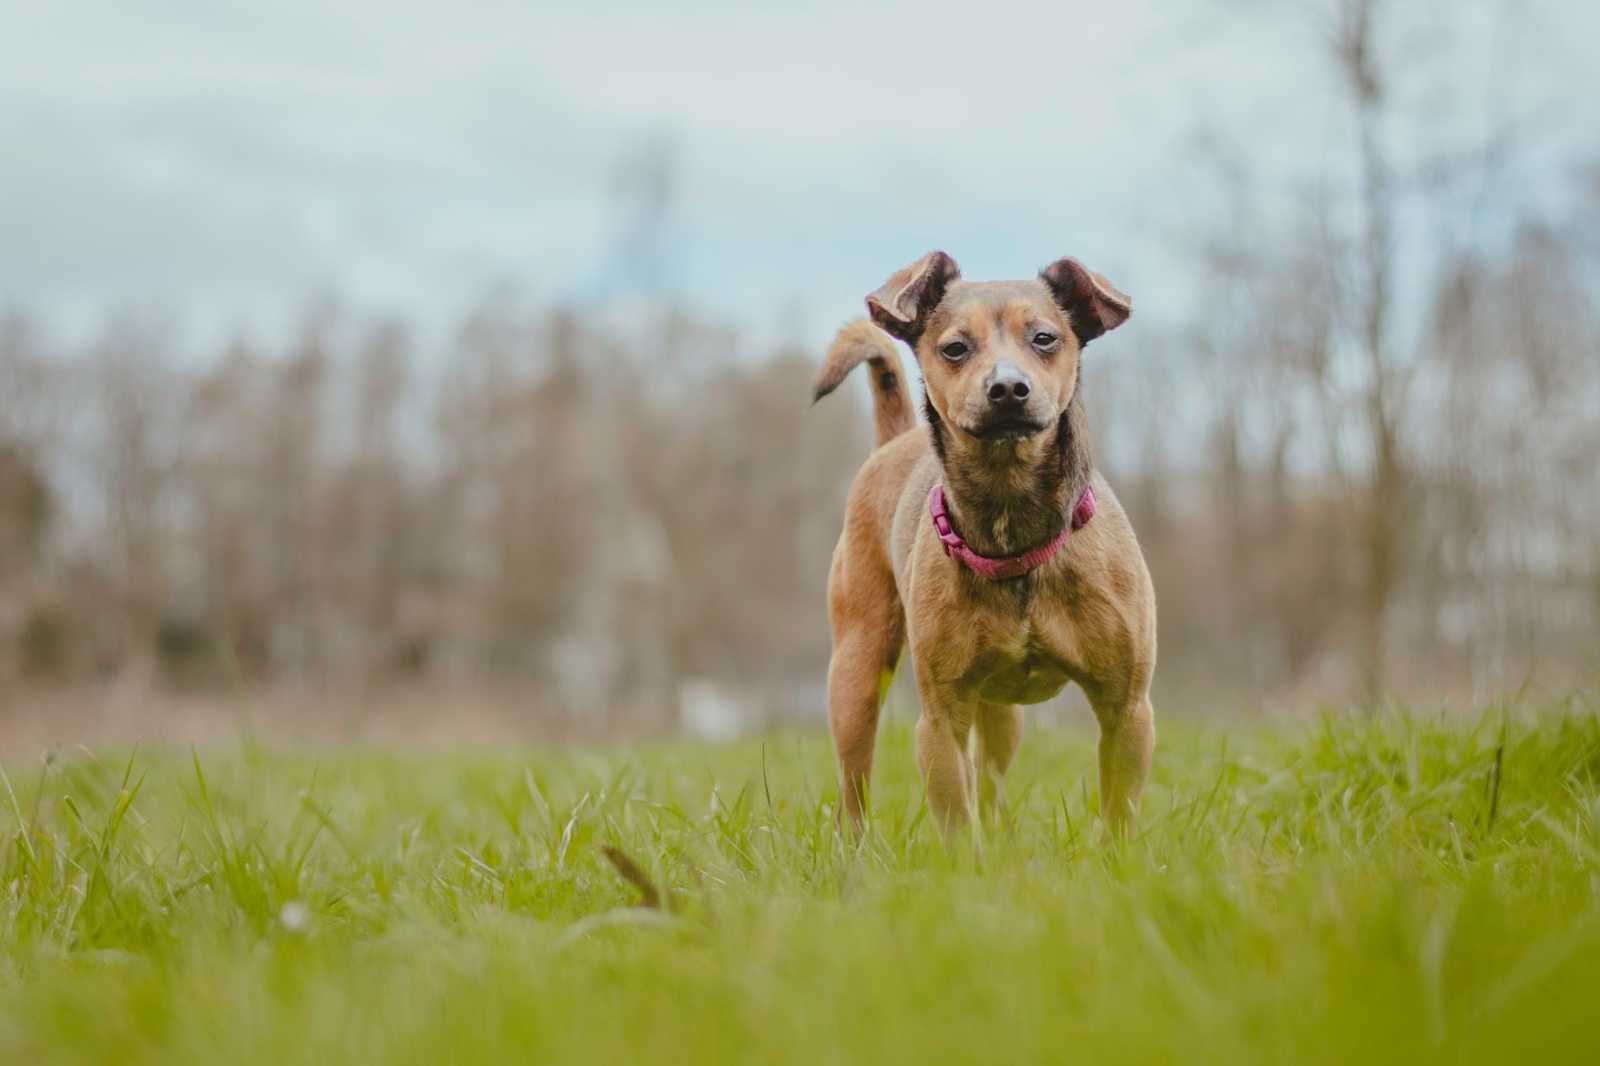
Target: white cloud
[{"x": 228, "y": 159}]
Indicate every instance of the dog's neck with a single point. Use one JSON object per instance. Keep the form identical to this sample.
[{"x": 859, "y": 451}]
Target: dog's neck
[{"x": 1009, "y": 497}]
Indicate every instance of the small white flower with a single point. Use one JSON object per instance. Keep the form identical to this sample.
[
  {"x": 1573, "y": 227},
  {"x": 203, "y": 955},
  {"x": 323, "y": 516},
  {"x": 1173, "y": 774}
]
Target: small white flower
[{"x": 295, "y": 916}]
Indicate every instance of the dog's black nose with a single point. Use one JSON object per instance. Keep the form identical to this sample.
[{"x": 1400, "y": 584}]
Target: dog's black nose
[{"x": 1007, "y": 385}]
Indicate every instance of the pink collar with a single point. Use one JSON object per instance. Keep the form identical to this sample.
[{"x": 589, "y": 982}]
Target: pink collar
[{"x": 1011, "y": 565}]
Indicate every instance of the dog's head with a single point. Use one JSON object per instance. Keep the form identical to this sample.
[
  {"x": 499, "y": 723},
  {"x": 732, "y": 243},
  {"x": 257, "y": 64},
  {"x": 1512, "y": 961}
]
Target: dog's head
[{"x": 999, "y": 358}]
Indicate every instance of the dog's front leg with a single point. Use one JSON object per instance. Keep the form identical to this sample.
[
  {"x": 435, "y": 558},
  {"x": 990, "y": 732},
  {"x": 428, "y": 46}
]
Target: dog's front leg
[
  {"x": 1127, "y": 742},
  {"x": 868, "y": 634},
  {"x": 858, "y": 679}
]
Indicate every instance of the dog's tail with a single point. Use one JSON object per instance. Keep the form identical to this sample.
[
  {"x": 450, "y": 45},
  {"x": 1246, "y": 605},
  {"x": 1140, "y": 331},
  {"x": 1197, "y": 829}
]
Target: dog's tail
[{"x": 859, "y": 342}]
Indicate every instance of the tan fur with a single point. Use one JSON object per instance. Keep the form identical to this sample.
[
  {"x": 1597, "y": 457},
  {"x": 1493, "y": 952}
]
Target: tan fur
[
  {"x": 980, "y": 648},
  {"x": 860, "y": 342}
]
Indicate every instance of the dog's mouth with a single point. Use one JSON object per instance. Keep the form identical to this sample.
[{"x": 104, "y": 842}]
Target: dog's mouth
[{"x": 1014, "y": 427}]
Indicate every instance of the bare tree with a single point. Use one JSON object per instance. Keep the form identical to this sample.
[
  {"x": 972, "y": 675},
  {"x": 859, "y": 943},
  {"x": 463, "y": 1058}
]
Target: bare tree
[
  {"x": 133, "y": 448},
  {"x": 1356, "y": 47}
]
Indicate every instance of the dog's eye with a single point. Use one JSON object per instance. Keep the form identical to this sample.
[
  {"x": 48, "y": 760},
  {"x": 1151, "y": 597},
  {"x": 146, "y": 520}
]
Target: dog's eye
[
  {"x": 955, "y": 351},
  {"x": 1043, "y": 340}
]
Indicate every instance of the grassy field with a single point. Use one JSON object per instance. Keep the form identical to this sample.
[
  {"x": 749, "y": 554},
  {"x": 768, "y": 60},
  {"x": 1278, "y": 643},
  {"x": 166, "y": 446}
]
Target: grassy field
[{"x": 1356, "y": 889}]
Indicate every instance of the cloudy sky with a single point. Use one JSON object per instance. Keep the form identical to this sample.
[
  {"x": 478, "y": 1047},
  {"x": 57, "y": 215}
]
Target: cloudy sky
[{"x": 226, "y": 162}]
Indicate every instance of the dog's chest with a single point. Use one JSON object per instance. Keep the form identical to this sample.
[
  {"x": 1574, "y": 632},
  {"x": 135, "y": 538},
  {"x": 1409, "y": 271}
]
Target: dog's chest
[{"x": 1021, "y": 669}]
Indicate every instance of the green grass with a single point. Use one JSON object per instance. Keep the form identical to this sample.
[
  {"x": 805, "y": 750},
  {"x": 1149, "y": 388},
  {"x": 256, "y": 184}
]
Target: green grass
[{"x": 1357, "y": 889}]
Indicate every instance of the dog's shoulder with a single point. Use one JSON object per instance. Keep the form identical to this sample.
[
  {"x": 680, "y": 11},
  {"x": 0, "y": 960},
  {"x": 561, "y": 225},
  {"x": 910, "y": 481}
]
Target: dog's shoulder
[
  {"x": 881, "y": 498},
  {"x": 890, "y": 467}
]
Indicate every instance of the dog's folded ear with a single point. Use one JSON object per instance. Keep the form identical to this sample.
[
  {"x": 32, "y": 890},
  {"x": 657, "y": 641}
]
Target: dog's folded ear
[
  {"x": 1093, "y": 304},
  {"x": 902, "y": 304}
]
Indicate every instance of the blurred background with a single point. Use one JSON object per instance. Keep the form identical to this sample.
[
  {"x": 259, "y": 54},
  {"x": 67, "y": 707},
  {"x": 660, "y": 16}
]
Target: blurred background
[{"x": 410, "y": 371}]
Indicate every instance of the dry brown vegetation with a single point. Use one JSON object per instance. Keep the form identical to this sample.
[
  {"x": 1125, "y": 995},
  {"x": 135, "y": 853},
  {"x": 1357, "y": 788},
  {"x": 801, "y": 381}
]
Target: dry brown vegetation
[
  {"x": 552, "y": 507},
  {"x": 1336, "y": 499}
]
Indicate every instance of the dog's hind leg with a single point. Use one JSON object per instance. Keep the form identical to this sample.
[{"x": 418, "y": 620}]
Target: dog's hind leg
[
  {"x": 998, "y": 731},
  {"x": 947, "y": 769},
  {"x": 868, "y": 634},
  {"x": 1127, "y": 742}
]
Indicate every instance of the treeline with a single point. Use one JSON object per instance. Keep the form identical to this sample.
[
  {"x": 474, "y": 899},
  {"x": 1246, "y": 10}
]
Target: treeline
[
  {"x": 1324, "y": 523},
  {"x": 538, "y": 500},
  {"x": 610, "y": 515}
]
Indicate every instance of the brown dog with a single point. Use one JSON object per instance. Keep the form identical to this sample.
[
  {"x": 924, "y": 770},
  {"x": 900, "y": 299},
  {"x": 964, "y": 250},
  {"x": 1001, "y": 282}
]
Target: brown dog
[{"x": 1004, "y": 586}]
